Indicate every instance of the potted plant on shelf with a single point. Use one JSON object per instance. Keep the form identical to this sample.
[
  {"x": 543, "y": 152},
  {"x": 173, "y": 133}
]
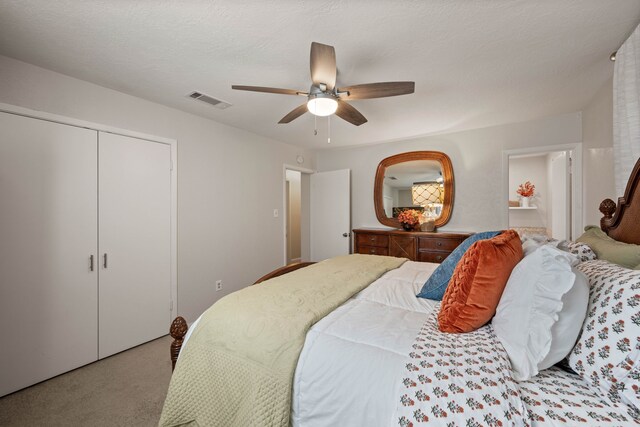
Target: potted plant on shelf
[
  {"x": 526, "y": 192},
  {"x": 409, "y": 218}
]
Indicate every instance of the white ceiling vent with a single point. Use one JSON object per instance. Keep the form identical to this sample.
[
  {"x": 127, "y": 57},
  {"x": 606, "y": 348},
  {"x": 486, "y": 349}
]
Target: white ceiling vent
[{"x": 209, "y": 100}]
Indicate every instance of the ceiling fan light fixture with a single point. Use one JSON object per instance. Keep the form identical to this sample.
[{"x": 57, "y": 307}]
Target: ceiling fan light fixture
[
  {"x": 322, "y": 105},
  {"x": 325, "y": 98}
]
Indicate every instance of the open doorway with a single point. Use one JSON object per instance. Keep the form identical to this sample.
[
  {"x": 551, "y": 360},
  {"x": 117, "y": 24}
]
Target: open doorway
[
  {"x": 316, "y": 214},
  {"x": 296, "y": 214},
  {"x": 293, "y": 215},
  {"x": 554, "y": 207}
]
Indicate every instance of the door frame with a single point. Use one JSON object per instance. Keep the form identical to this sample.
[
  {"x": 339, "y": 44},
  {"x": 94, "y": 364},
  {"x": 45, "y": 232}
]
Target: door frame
[
  {"x": 576, "y": 181},
  {"x": 284, "y": 203},
  {"x": 173, "y": 143}
]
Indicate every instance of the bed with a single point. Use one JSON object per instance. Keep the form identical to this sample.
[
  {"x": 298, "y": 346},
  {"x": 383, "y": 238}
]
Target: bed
[{"x": 378, "y": 358}]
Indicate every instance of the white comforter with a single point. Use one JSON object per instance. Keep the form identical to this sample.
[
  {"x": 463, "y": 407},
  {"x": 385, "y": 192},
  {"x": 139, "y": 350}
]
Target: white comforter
[
  {"x": 349, "y": 367},
  {"x": 353, "y": 368},
  {"x": 354, "y": 365}
]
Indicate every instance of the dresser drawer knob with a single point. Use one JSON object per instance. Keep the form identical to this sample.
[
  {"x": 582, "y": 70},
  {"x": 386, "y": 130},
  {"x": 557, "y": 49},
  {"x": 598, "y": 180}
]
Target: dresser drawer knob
[
  {"x": 372, "y": 251},
  {"x": 438, "y": 243},
  {"x": 372, "y": 238},
  {"x": 439, "y": 257}
]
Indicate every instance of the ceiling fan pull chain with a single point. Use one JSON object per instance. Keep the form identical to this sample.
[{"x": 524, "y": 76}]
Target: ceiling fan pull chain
[
  {"x": 329, "y": 130},
  {"x": 315, "y": 125}
]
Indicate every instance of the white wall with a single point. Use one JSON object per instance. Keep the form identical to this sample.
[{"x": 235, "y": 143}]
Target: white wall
[
  {"x": 476, "y": 156},
  {"x": 226, "y": 228},
  {"x": 597, "y": 131},
  {"x": 534, "y": 169}
]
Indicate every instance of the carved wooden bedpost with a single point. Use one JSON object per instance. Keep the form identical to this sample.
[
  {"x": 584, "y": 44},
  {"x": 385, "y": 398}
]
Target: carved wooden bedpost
[
  {"x": 607, "y": 207},
  {"x": 177, "y": 330}
]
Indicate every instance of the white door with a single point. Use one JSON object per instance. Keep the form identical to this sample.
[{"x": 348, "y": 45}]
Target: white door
[
  {"x": 48, "y": 231},
  {"x": 135, "y": 241},
  {"x": 330, "y": 214}
]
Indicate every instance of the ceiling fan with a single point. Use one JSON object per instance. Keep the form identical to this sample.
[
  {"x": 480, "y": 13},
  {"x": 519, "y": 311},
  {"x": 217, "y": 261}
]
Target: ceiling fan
[{"x": 324, "y": 98}]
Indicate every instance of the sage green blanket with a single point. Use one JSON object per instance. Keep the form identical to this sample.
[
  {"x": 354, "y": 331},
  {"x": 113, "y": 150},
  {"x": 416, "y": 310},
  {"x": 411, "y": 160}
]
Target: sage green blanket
[{"x": 237, "y": 367}]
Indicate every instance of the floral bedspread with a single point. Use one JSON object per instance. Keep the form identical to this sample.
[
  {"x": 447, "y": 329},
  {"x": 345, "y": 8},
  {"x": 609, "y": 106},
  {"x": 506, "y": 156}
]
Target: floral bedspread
[
  {"x": 459, "y": 380},
  {"x": 465, "y": 380},
  {"x": 558, "y": 398}
]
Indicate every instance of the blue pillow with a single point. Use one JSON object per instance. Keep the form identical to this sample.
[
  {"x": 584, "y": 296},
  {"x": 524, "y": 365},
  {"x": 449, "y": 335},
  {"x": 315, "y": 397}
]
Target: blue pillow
[{"x": 435, "y": 287}]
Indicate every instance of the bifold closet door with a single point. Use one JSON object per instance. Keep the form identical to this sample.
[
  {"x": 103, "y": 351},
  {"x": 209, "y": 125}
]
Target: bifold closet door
[
  {"x": 48, "y": 232},
  {"x": 134, "y": 241}
]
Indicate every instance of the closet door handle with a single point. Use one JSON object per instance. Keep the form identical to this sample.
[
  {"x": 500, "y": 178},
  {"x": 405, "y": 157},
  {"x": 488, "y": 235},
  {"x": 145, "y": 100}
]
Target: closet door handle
[
  {"x": 104, "y": 263},
  {"x": 91, "y": 263}
]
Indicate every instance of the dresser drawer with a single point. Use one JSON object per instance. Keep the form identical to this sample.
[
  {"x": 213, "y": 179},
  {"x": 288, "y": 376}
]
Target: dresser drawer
[
  {"x": 378, "y": 240},
  {"x": 402, "y": 247},
  {"x": 414, "y": 245},
  {"x": 432, "y": 256},
  {"x": 372, "y": 250},
  {"x": 438, "y": 243}
]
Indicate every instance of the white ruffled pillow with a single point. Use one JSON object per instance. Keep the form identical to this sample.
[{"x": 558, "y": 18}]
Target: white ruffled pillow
[{"x": 541, "y": 311}]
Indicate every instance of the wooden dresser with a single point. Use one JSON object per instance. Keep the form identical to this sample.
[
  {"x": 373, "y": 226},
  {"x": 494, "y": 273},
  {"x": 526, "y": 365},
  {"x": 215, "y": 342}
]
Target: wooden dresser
[{"x": 415, "y": 245}]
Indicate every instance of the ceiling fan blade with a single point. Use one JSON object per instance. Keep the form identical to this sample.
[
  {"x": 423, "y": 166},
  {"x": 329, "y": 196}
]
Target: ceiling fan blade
[
  {"x": 323, "y": 65},
  {"x": 377, "y": 90},
  {"x": 294, "y": 114},
  {"x": 349, "y": 113},
  {"x": 269, "y": 90}
]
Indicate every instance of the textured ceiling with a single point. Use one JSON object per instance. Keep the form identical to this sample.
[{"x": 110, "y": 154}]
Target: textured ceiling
[{"x": 475, "y": 63}]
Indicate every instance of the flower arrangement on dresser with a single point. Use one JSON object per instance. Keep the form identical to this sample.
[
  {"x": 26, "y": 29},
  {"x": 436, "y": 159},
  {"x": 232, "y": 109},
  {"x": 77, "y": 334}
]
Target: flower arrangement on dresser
[
  {"x": 409, "y": 218},
  {"x": 526, "y": 191}
]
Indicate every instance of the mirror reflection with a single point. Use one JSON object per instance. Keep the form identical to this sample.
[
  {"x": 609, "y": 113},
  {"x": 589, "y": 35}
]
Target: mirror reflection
[
  {"x": 416, "y": 184},
  {"x": 418, "y": 180}
]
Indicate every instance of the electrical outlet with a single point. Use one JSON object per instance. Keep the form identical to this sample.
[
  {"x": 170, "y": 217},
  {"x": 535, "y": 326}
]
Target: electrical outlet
[
  {"x": 275, "y": 213},
  {"x": 218, "y": 285}
]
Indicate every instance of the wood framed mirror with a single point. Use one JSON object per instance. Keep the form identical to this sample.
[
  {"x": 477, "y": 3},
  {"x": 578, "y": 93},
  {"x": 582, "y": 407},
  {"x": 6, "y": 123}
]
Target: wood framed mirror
[{"x": 421, "y": 180}]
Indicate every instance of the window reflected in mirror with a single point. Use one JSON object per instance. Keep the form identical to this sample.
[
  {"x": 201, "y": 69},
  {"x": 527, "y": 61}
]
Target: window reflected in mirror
[
  {"x": 415, "y": 185},
  {"x": 418, "y": 180}
]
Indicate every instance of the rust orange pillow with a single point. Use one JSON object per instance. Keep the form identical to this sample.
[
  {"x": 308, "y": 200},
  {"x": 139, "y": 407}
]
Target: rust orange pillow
[{"x": 477, "y": 283}]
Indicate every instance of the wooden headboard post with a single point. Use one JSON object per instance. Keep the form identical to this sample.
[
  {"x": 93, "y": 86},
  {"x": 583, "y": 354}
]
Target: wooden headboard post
[
  {"x": 621, "y": 222},
  {"x": 607, "y": 207},
  {"x": 177, "y": 330}
]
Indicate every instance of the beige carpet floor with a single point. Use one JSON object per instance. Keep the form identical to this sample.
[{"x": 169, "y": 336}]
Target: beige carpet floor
[{"x": 127, "y": 389}]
